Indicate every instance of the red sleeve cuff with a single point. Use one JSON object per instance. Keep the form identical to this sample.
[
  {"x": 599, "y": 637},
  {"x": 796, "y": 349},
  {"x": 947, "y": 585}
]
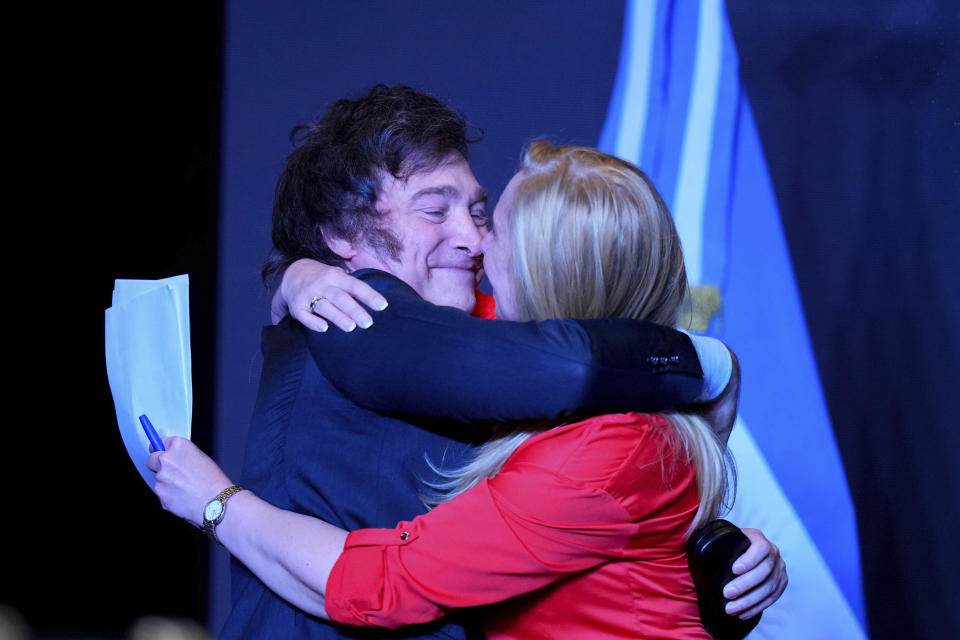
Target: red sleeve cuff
[{"x": 359, "y": 587}]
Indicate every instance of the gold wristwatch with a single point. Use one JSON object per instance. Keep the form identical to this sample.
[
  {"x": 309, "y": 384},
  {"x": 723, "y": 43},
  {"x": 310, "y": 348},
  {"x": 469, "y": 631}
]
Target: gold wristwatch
[{"x": 213, "y": 512}]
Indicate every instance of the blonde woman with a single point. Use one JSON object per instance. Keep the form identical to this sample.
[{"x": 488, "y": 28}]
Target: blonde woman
[{"x": 577, "y": 530}]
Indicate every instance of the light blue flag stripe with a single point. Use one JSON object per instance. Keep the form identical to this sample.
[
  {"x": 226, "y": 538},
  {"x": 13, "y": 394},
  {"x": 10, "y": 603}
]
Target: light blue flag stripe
[
  {"x": 627, "y": 116},
  {"x": 671, "y": 79},
  {"x": 730, "y": 226}
]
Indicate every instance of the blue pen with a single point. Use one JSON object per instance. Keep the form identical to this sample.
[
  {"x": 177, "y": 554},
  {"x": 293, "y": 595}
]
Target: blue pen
[{"x": 151, "y": 434}]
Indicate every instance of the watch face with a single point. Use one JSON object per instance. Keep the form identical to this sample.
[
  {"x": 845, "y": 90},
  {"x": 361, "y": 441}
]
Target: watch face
[{"x": 213, "y": 510}]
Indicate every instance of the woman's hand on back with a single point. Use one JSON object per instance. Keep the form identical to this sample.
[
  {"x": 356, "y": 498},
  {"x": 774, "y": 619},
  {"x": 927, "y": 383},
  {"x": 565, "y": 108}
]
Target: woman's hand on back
[{"x": 318, "y": 294}]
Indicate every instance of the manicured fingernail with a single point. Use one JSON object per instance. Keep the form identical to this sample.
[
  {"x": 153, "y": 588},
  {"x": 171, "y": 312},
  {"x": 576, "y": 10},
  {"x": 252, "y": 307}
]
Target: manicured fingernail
[
  {"x": 381, "y": 305},
  {"x": 366, "y": 324},
  {"x": 351, "y": 327},
  {"x": 324, "y": 329},
  {"x": 730, "y": 609},
  {"x": 738, "y": 568},
  {"x": 730, "y": 592}
]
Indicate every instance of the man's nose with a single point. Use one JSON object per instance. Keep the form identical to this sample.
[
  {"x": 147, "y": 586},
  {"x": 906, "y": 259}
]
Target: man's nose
[{"x": 466, "y": 234}]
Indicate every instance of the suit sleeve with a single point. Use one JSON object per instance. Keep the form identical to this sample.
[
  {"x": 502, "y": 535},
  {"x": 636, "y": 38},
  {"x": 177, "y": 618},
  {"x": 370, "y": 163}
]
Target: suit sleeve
[{"x": 423, "y": 360}]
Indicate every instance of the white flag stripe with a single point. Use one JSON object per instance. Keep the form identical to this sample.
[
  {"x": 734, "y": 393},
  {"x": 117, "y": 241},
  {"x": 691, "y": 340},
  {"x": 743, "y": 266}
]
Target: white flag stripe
[
  {"x": 633, "y": 111},
  {"x": 813, "y": 606},
  {"x": 690, "y": 195}
]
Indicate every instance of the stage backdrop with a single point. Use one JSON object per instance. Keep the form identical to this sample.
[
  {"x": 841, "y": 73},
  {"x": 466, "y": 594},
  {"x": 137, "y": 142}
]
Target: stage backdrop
[{"x": 666, "y": 84}]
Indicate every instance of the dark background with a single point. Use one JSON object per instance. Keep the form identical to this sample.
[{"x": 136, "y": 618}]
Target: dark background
[{"x": 858, "y": 107}]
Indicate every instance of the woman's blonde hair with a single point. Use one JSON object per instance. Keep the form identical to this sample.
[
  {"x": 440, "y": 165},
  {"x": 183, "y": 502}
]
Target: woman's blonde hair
[{"x": 592, "y": 238}]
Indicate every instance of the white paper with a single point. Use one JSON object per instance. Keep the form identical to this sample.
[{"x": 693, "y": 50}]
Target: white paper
[{"x": 147, "y": 332}]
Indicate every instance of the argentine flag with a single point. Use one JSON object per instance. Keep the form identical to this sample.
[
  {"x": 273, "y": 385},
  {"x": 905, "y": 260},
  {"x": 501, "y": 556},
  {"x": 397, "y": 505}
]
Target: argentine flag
[{"x": 678, "y": 112}]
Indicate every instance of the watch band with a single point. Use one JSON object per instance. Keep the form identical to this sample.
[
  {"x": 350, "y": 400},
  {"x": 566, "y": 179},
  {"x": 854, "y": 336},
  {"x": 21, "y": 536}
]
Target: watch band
[{"x": 210, "y": 526}]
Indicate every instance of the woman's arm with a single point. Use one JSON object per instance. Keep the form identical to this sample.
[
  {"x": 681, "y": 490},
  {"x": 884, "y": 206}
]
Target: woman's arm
[
  {"x": 291, "y": 553},
  {"x": 317, "y": 294},
  {"x": 451, "y": 566},
  {"x": 568, "y": 500},
  {"x": 479, "y": 548}
]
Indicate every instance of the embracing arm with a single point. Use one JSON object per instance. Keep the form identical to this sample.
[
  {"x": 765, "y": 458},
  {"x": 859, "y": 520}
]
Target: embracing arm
[
  {"x": 308, "y": 562},
  {"x": 317, "y": 295},
  {"x": 291, "y": 553},
  {"x": 294, "y": 554},
  {"x": 421, "y": 359}
]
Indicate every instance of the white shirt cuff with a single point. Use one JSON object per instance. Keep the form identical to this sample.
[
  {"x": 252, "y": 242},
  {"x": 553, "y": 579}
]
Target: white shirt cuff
[{"x": 716, "y": 364}]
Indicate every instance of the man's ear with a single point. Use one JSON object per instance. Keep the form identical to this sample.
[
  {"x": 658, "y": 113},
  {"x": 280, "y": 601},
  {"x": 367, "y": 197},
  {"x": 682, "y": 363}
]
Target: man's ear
[{"x": 341, "y": 247}]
